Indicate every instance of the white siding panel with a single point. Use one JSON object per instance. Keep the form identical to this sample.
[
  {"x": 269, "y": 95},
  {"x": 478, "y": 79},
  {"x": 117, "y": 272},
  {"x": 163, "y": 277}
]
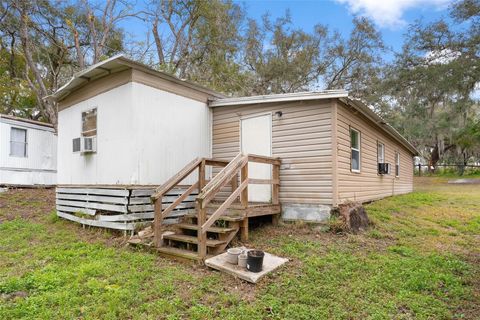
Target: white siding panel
[
  {"x": 39, "y": 166},
  {"x": 172, "y": 131},
  {"x": 144, "y": 136}
]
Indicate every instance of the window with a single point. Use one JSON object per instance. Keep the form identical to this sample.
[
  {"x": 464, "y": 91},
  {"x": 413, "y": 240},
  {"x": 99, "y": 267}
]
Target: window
[
  {"x": 380, "y": 152},
  {"x": 18, "y": 142},
  {"x": 397, "y": 164},
  {"x": 89, "y": 123},
  {"x": 76, "y": 144},
  {"x": 355, "y": 150}
]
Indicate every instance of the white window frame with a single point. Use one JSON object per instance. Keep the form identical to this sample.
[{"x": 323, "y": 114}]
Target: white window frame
[
  {"x": 96, "y": 124},
  {"x": 397, "y": 164},
  {"x": 355, "y": 149},
  {"x": 25, "y": 144},
  {"x": 383, "y": 152}
]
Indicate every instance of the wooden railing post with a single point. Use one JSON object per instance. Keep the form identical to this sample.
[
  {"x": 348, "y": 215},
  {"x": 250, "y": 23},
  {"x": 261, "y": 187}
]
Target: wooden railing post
[
  {"x": 244, "y": 201},
  {"x": 201, "y": 176},
  {"x": 243, "y": 177},
  {"x": 202, "y": 215},
  {"x": 276, "y": 186},
  {"x": 202, "y": 236},
  {"x": 157, "y": 222}
]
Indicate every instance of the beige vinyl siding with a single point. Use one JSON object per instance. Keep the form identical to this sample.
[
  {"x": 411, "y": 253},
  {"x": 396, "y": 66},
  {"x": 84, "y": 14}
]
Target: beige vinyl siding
[
  {"x": 302, "y": 138},
  {"x": 368, "y": 185}
]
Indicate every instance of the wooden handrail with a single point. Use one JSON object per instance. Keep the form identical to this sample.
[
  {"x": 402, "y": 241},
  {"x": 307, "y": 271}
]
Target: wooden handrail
[
  {"x": 224, "y": 177},
  {"x": 264, "y": 181},
  {"x": 219, "y": 212},
  {"x": 179, "y": 200},
  {"x": 263, "y": 159},
  {"x": 216, "y": 162},
  {"x": 160, "y": 213},
  {"x": 209, "y": 190},
  {"x": 176, "y": 179}
]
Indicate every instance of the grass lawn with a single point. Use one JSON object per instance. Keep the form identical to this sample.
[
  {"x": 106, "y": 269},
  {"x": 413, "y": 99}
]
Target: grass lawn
[{"x": 420, "y": 260}]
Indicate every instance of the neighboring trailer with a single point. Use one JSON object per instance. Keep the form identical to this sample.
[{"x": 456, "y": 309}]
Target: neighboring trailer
[{"x": 28, "y": 152}]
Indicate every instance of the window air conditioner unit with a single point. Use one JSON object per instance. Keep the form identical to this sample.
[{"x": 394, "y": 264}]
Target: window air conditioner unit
[
  {"x": 88, "y": 144},
  {"x": 383, "y": 168}
]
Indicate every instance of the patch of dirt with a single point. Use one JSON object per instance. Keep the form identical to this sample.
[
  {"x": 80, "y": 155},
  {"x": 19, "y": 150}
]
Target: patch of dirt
[
  {"x": 37, "y": 205},
  {"x": 31, "y": 204}
]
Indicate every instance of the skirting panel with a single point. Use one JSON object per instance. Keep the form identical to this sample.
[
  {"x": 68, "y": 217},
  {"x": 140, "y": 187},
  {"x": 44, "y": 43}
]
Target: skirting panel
[{"x": 121, "y": 208}]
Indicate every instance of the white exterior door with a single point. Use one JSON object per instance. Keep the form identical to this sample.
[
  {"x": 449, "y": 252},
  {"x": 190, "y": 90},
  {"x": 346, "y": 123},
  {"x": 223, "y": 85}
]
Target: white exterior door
[{"x": 256, "y": 138}]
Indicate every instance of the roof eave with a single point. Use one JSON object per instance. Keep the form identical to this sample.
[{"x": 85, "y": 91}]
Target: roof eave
[
  {"x": 301, "y": 96},
  {"x": 85, "y": 76}
]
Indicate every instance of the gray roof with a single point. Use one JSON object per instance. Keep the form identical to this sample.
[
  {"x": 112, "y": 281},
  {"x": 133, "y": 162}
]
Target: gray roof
[{"x": 116, "y": 64}]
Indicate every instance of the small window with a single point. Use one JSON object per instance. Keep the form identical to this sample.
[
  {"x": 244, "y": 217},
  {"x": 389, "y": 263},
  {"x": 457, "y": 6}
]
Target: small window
[
  {"x": 397, "y": 164},
  {"x": 76, "y": 144},
  {"x": 89, "y": 123},
  {"x": 355, "y": 150},
  {"x": 380, "y": 152},
  {"x": 18, "y": 142}
]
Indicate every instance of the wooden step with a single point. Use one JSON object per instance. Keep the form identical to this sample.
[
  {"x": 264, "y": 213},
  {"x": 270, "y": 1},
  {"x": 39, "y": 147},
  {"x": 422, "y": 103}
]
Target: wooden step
[
  {"x": 239, "y": 206},
  {"x": 189, "y": 226},
  {"x": 191, "y": 239},
  {"x": 225, "y": 218},
  {"x": 172, "y": 252}
]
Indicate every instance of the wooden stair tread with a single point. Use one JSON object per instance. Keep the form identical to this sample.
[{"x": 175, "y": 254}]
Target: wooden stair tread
[
  {"x": 239, "y": 206},
  {"x": 224, "y": 217},
  {"x": 211, "y": 229},
  {"x": 177, "y": 252},
  {"x": 192, "y": 239}
]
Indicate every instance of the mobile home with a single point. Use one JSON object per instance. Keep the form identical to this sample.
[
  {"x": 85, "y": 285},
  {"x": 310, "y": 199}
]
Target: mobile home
[
  {"x": 28, "y": 152},
  {"x": 135, "y": 143}
]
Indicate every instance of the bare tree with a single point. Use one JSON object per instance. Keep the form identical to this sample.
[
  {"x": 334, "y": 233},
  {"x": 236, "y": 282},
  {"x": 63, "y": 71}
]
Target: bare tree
[
  {"x": 103, "y": 20},
  {"x": 38, "y": 85}
]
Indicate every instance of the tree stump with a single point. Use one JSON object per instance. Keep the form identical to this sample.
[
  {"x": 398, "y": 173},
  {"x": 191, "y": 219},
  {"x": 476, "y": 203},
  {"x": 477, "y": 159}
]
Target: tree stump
[{"x": 354, "y": 217}]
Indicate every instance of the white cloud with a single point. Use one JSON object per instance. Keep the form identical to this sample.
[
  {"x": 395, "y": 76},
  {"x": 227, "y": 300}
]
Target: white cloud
[
  {"x": 389, "y": 13},
  {"x": 442, "y": 57}
]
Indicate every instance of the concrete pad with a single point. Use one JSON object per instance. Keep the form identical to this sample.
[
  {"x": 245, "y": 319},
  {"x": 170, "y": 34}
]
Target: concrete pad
[
  {"x": 270, "y": 263},
  {"x": 306, "y": 212}
]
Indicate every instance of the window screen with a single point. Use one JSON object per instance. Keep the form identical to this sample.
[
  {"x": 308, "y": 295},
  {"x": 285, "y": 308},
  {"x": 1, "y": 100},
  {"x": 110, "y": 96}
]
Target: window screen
[
  {"x": 18, "y": 142},
  {"x": 76, "y": 145},
  {"x": 381, "y": 152},
  {"x": 89, "y": 123},
  {"x": 397, "y": 164},
  {"x": 355, "y": 150}
]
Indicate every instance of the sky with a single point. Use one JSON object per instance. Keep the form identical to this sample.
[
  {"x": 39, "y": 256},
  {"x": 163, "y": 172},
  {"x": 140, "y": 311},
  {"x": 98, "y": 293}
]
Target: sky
[{"x": 390, "y": 16}]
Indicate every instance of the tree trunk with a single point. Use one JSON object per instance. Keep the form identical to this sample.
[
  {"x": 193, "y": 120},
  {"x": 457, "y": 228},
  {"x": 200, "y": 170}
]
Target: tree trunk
[
  {"x": 80, "y": 60},
  {"x": 48, "y": 107},
  {"x": 158, "y": 42}
]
